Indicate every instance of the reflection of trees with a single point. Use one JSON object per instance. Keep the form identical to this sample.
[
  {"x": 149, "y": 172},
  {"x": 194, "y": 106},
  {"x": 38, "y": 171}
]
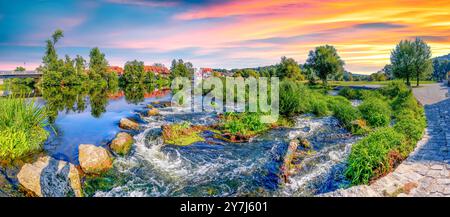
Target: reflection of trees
[
  {"x": 134, "y": 93},
  {"x": 98, "y": 99},
  {"x": 74, "y": 98},
  {"x": 64, "y": 99}
]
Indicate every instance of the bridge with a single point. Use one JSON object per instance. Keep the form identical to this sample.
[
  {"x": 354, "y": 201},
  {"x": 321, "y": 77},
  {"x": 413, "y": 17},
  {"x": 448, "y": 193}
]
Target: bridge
[{"x": 19, "y": 74}]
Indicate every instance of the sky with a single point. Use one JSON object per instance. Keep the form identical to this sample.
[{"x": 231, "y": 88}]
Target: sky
[{"x": 220, "y": 33}]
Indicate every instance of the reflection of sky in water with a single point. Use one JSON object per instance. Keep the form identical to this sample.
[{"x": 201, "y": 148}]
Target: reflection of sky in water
[{"x": 82, "y": 128}]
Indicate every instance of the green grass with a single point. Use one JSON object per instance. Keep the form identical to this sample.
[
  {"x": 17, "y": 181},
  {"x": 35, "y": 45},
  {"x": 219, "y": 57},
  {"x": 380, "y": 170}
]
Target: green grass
[
  {"x": 2, "y": 87},
  {"x": 356, "y": 83},
  {"x": 21, "y": 128},
  {"x": 182, "y": 134},
  {"x": 385, "y": 147}
]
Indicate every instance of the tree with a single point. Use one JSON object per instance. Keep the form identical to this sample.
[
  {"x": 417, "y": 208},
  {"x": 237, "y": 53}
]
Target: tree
[
  {"x": 51, "y": 68},
  {"x": 422, "y": 59},
  {"x": 181, "y": 69},
  {"x": 348, "y": 76},
  {"x": 411, "y": 59},
  {"x": 134, "y": 72},
  {"x": 289, "y": 68},
  {"x": 98, "y": 65},
  {"x": 325, "y": 61},
  {"x": 19, "y": 69},
  {"x": 80, "y": 65}
]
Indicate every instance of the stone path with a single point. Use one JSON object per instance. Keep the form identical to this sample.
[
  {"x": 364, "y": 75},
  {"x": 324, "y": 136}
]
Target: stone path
[{"x": 426, "y": 172}]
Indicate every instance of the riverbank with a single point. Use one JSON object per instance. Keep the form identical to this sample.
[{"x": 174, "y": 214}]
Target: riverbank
[{"x": 426, "y": 172}]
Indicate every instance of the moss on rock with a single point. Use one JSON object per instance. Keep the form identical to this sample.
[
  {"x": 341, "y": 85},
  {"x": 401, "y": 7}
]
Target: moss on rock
[{"x": 182, "y": 134}]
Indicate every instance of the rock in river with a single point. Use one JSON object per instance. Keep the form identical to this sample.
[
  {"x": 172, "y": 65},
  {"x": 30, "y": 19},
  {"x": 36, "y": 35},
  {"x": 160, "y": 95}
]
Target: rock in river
[
  {"x": 93, "y": 159},
  {"x": 48, "y": 177},
  {"x": 122, "y": 143},
  {"x": 153, "y": 112},
  {"x": 128, "y": 124}
]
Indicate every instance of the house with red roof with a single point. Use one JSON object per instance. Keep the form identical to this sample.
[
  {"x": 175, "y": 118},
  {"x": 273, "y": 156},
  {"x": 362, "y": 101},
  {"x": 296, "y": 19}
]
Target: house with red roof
[{"x": 116, "y": 69}]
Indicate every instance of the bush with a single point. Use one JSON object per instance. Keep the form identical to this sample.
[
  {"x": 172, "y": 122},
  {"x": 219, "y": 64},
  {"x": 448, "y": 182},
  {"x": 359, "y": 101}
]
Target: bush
[
  {"x": 384, "y": 148},
  {"x": 319, "y": 107},
  {"x": 21, "y": 128},
  {"x": 349, "y": 116},
  {"x": 247, "y": 123},
  {"x": 349, "y": 93},
  {"x": 370, "y": 157},
  {"x": 394, "y": 89},
  {"x": 293, "y": 98},
  {"x": 376, "y": 111}
]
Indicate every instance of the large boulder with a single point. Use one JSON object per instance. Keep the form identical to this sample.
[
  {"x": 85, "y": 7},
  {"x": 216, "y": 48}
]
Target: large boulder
[
  {"x": 122, "y": 143},
  {"x": 128, "y": 124},
  {"x": 93, "y": 159},
  {"x": 48, "y": 177},
  {"x": 153, "y": 112}
]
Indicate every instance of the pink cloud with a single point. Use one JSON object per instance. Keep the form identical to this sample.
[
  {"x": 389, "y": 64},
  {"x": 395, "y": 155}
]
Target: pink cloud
[{"x": 146, "y": 3}]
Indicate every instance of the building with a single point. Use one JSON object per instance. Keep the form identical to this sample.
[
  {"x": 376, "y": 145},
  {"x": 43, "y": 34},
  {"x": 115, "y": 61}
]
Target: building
[
  {"x": 116, "y": 69},
  {"x": 158, "y": 70}
]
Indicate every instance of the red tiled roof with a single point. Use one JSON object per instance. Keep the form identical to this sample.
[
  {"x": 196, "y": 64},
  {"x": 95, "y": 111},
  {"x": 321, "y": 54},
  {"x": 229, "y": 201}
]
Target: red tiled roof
[
  {"x": 117, "y": 69},
  {"x": 157, "y": 69},
  {"x": 206, "y": 70}
]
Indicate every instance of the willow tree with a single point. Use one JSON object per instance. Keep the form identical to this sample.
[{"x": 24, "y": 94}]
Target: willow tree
[{"x": 325, "y": 62}]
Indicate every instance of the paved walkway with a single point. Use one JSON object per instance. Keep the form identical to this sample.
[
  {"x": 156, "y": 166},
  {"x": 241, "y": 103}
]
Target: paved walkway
[{"x": 426, "y": 172}]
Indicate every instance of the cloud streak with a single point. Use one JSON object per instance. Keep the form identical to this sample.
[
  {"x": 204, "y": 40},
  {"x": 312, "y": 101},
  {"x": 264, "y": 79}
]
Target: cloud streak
[{"x": 229, "y": 33}]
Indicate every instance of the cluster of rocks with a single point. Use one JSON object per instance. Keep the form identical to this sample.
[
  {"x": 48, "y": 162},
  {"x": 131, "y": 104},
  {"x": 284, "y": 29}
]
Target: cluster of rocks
[{"x": 49, "y": 177}]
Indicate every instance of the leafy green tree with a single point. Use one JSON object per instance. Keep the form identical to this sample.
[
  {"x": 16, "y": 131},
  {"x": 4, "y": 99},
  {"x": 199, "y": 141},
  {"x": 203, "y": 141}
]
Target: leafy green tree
[
  {"x": 134, "y": 72},
  {"x": 98, "y": 65},
  {"x": 348, "y": 76},
  {"x": 423, "y": 65},
  {"x": 51, "y": 68},
  {"x": 325, "y": 62},
  {"x": 80, "y": 65},
  {"x": 411, "y": 59},
  {"x": 19, "y": 69},
  {"x": 289, "y": 68},
  {"x": 181, "y": 69}
]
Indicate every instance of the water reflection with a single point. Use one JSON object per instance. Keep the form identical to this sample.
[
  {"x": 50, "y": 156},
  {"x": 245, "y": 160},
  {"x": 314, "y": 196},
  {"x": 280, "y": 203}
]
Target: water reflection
[{"x": 76, "y": 98}]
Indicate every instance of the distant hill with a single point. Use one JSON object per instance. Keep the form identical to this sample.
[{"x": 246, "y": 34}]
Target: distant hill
[{"x": 445, "y": 57}]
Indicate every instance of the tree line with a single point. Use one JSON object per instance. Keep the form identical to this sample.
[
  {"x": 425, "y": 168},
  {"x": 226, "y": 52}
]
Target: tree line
[
  {"x": 78, "y": 71},
  {"x": 410, "y": 59}
]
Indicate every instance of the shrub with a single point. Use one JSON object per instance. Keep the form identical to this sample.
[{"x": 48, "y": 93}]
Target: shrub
[
  {"x": 376, "y": 111},
  {"x": 394, "y": 89},
  {"x": 413, "y": 130},
  {"x": 246, "y": 123},
  {"x": 21, "y": 128},
  {"x": 369, "y": 157},
  {"x": 318, "y": 103},
  {"x": 294, "y": 98},
  {"x": 406, "y": 101},
  {"x": 349, "y": 93},
  {"x": 349, "y": 116}
]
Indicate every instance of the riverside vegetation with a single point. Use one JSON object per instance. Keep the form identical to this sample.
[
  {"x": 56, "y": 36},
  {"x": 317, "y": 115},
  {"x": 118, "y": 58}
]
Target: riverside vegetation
[{"x": 389, "y": 120}]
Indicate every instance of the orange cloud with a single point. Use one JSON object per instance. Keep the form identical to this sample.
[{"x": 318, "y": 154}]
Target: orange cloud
[{"x": 364, "y": 32}]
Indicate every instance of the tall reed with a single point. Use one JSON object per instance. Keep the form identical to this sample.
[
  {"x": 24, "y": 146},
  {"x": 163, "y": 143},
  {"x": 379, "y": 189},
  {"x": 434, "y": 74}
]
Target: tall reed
[{"x": 22, "y": 127}]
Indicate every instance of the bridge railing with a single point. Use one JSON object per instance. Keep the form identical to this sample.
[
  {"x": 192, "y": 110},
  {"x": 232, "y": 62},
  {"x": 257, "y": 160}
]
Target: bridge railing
[{"x": 20, "y": 73}]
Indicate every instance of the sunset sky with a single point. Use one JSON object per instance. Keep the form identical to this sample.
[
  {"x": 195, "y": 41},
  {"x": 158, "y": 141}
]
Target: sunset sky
[{"x": 221, "y": 34}]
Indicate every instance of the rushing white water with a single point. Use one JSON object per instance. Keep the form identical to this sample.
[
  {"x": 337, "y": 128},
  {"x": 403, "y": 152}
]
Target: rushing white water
[{"x": 227, "y": 169}]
